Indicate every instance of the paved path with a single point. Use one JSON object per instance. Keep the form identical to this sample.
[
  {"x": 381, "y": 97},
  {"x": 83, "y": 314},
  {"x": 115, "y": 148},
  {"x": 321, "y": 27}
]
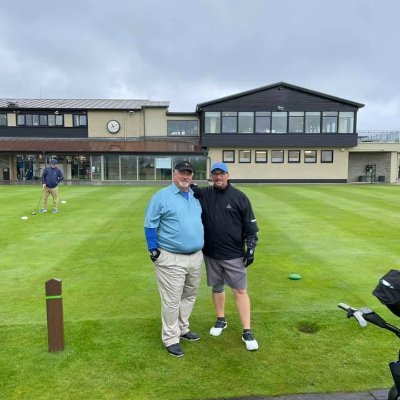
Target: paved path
[{"x": 371, "y": 395}]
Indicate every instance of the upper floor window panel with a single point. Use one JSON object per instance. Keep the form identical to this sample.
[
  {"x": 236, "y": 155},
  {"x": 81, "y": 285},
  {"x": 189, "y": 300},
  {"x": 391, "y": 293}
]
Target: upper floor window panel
[
  {"x": 246, "y": 122},
  {"x": 182, "y": 128},
  {"x": 346, "y": 122},
  {"x": 229, "y": 122},
  {"x": 79, "y": 120},
  {"x": 296, "y": 122},
  {"x": 313, "y": 122},
  {"x": 3, "y": 119},
  {"x": 329, "y": 121},
  {"x": 279, "y": 122},
  {"x": 40, "y": 120},
  {"x": 263, "y": 121},
  {"x": 212, "y": 122}
]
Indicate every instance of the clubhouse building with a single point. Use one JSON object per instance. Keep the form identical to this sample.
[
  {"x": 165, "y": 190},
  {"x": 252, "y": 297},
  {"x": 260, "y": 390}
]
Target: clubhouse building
[{"x": 276, "y": 133}]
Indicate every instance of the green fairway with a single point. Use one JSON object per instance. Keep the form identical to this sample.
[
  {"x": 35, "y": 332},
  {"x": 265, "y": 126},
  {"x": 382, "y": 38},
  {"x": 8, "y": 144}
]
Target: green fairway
[{"x": 340, "y": 238}]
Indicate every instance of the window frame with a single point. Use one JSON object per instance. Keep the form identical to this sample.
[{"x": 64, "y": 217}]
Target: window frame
[
  {"x": 282, "y": 159},
  {"x": 224, "y": 156},
  {"x": 322, "y": 160},
  {"x": 257, "y": 161},
  {"x": 243, "y": 160},
  {"x": 5, "y": 119},
  {"x": 306, "y": 159},
  {"x": 297, "y": 160}
]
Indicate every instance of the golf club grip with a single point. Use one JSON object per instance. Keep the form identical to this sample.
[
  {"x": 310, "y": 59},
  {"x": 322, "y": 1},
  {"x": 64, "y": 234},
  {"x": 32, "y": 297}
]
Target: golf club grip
[{"x": 343, "y": 306}]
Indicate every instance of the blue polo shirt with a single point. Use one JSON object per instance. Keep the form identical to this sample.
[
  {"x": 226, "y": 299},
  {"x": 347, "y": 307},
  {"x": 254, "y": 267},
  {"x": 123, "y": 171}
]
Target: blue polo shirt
[{"x": 176, "y": 219}]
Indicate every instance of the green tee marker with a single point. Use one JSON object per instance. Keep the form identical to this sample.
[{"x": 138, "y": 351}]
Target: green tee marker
[{"x": 294, "y": 277}]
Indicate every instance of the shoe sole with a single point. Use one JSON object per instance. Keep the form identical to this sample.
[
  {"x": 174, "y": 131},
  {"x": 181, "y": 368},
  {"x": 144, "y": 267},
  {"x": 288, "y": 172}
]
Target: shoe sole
[
  {"x": 176, "y": 355},
  {"x": 218, "y": 334},
  {"x": 190, "y": 340},
  {"x": 255, "y": 348}
]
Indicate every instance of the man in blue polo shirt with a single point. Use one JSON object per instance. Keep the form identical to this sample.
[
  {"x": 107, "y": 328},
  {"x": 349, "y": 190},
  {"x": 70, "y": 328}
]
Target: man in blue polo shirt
[{"x": 175, "y": 237}]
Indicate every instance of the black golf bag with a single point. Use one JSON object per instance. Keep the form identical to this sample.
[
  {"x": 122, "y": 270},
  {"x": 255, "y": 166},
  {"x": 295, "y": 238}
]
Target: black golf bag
[{"x": 388, "y": 291}]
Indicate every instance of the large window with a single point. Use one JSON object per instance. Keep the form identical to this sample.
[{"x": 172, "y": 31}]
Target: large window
[
  {"x": 40, "y": 120},
  {"x": 3, "y": 119},
  {"x": 79, "y": 120},
  {"x": 279, "y": 122},
  {"x": 296, "y": 122},
  {"x": 346, "y": 122},
  {"x": 329, "y": 121},
  {"x": 128, "y": 167},
  {"x": 246, "y": 122},
  {"x": 270, "y": 122},
  {"x": 313, "y": 122},
  {"x": 182, "y": 128},
  {"x": 229, "y": 122},
  {"x": 263, "y": 122},
  {"x": 212, "y": 122}
]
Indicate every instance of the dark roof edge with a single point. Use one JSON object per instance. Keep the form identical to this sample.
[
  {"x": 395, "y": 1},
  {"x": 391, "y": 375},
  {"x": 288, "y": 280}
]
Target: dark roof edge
[{"x": 284, "y": 84}]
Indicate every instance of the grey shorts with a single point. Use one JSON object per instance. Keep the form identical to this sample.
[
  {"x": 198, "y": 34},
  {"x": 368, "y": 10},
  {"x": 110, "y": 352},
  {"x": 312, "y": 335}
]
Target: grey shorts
[{"x": 226, "y": 272}]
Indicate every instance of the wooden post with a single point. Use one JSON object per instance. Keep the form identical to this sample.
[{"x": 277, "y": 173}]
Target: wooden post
[{"x": 55, "y": 320}]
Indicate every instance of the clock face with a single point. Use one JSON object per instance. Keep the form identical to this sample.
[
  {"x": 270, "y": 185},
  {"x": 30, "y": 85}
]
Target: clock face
[{"x": 113, "y": 126}]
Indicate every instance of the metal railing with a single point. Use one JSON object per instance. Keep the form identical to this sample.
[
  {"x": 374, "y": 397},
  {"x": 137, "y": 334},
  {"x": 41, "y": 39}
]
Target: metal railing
[{"x": 379, "y": 136}]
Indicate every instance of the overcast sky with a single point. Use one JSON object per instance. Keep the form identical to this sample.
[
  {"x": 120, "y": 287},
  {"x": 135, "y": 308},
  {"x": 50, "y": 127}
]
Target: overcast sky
[{"x": 191, "y": 51}]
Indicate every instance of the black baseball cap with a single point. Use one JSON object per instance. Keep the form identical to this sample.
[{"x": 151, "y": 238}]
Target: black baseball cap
[{"x": 184, "y": 166}]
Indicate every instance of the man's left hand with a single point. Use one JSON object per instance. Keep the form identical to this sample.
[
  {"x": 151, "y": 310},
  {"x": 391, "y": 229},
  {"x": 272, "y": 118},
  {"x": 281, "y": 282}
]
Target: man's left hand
[{"x": 249, "y": 257}]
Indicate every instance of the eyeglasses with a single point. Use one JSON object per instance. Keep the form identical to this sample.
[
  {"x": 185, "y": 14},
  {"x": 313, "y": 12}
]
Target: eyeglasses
[{"x": 218, "y": 173}]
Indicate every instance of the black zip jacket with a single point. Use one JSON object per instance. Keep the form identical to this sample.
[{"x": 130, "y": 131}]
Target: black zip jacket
[{"x": 228, "y": 221}]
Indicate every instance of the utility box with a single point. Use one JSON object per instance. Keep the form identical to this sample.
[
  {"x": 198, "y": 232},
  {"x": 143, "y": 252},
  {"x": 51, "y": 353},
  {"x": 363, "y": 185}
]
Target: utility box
[{"x": 6, "y": 174}]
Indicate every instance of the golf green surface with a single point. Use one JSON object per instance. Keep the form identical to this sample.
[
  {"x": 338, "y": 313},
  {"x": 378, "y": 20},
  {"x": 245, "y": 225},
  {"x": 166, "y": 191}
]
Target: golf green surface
[{"x": 340, "y": 238}]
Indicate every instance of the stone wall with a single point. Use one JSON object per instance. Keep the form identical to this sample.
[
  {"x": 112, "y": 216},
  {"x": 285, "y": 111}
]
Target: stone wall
[{"x": 358, "y": 162}]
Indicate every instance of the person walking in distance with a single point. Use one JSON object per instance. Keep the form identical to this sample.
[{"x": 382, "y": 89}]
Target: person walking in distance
[
  {"x": 175, "y": 236},
  {"x": 51, "y": 177},
  {"x": 230, "y": 234}
]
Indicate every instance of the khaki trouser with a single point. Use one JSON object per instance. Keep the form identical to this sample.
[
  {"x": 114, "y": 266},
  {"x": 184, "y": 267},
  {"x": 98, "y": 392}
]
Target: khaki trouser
[
  {"x": 54, "y": 194},
  {"x": 179, "y": 277}
]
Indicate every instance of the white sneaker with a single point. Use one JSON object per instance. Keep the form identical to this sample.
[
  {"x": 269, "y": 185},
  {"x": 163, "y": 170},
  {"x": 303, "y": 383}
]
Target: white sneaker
[
  {"x": 251, "y": 343},
  {"x": 218, "y": 327}
]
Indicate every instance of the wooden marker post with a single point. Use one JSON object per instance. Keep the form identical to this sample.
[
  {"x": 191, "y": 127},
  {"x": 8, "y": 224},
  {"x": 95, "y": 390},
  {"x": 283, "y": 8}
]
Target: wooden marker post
[{"x": 55, "y": 320}]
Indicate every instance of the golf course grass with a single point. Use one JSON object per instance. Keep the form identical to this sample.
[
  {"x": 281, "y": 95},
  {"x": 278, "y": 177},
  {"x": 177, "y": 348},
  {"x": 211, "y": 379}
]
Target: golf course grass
[{"x": 340, "y": 238}]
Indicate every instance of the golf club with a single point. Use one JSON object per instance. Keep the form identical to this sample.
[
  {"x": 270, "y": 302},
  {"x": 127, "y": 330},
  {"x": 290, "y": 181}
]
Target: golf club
[{"x": 37, "y": 207}]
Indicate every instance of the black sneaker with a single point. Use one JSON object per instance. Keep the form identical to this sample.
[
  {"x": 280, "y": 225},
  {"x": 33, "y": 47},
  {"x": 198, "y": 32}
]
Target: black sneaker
[
  {"x": 190, "y": 336},
  {"x": 175, "y": 350},
  {"x": 248, "y": 339},
  {"x": 218, "y": 327}
]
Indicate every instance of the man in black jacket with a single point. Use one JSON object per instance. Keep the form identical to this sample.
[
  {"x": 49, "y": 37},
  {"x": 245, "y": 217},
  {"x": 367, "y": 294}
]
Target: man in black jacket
[
  {"x": 51, "y": 177},
  {"x": 230, "y": 234}
]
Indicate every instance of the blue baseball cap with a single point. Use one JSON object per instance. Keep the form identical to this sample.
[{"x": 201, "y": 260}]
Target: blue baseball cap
[
  {"x": 54, "y": 161},
  {"x": 219, "y": 165}
]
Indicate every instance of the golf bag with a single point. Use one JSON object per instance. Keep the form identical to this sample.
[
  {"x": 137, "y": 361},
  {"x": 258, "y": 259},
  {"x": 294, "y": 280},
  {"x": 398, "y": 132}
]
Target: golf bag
[{"x": 388, "y": 291}]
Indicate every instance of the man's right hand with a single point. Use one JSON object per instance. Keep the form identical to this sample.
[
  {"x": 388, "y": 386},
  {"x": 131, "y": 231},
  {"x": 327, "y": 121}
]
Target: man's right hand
[{"x": 154, "y": 254}]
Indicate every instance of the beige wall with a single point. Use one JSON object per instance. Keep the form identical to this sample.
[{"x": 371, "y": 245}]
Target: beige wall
[
  {"x": 147, "y": 122},
  {"x": 336, "y": 170},
  {"x": 155, "y": 120},
  {"x": 68, "y": 121},
  {"x": 11, "y": 119}
]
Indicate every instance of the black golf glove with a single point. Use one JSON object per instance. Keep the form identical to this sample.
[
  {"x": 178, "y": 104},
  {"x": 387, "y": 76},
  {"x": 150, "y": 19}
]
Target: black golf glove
[
  {"x": 249, "y": 257},
  {"x": 154, "y": 254}
]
